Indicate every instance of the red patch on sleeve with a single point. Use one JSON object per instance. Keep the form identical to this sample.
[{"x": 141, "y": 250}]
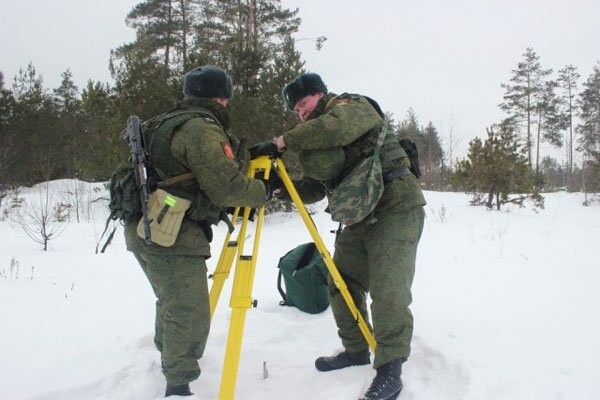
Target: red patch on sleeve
[{"x": 227, "y": 150}]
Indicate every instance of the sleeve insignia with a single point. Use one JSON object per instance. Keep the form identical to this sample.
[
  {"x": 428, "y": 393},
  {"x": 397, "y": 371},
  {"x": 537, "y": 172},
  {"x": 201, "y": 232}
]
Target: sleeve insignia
[{"x": 227, "y": 150}]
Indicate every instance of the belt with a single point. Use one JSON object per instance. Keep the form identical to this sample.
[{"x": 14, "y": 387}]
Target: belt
[{"x": 397, "y": 173}]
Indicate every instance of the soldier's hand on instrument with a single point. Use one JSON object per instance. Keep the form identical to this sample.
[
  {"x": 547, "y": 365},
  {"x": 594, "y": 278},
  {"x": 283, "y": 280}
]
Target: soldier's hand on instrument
[
  {"x": 273, "y": 184},
  {"x": 267, "y": 148},
  {"x": 279, "y": 142}
]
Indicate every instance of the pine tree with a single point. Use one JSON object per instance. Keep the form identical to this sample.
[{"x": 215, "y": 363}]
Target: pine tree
[
  {"x": 567, "y": 82},
  {"x": 524, "y": 94},
  {"x": 549, "y": 123},
  {"x": 252, "y": 40},
  {"x": 71, "y": 134},
  {"x": 105, "y": 148},
  {"x": 142, "y": 84},
  {"x": 589, "y": 129},
  {"x": 431, "y": 155},
  {"x": 244, "y": 37},
  {"x": 8, "y": 154},
  {"x": 167, "y": 26},
  {"x": 35, "y": 125},
  {"x": 496, "y": 169},
  {"x": 409, "y": 128},
  {"x": 553, "y": 173}
]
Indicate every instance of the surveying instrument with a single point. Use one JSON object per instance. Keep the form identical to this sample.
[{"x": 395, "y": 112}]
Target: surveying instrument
[{"x": 245, "y": 265}]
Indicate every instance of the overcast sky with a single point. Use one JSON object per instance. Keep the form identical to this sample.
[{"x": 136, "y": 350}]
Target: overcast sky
[{"x": 444, "y": 59}]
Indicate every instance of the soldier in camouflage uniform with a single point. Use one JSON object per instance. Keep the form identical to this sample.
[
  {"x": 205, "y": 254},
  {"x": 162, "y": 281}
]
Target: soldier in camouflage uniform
[
  {"x": 376, "y": 255},
  {"x": 193, "y": 137}
]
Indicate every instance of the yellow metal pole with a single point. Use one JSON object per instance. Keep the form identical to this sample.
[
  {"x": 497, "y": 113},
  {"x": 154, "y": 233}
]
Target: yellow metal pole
[
  {"x": 241, "y": 299},
  {"x": 221, "y": 273},
  {"x": 335, "y": 274},
  {"x": 223, "y": 268}
]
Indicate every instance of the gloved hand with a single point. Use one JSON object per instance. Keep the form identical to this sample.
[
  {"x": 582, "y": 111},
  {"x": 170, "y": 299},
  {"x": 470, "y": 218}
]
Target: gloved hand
[
  {"x": 273, "y": 183},
  {"x": 267, "y": 148}
]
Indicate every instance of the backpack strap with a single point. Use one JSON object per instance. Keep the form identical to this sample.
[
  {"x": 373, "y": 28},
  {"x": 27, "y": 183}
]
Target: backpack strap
[
  {"x": 173, "y": 118},
  {"x": 110, "y": 236},
  {"x": 160, "y": 119},
  {"x": 280, "y": 290},
  {"x": 109, "y": 239}
]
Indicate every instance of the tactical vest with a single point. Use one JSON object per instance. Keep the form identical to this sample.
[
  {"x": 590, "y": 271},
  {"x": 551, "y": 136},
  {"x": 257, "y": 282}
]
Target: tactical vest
[{"x": 159, "y": 134}]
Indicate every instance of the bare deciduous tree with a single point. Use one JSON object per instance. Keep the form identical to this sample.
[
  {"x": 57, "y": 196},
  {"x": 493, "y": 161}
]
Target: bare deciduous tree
[{"x": 38, "y": 220}]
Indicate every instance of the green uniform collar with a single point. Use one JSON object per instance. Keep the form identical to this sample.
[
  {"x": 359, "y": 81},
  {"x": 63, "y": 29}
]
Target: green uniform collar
[
  {"x": 220, "y": 112},
  {"x": 321, "y": 106}
]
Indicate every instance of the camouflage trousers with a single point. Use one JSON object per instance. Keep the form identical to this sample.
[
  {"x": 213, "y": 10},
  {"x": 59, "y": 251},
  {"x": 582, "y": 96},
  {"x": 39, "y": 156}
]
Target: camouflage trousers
[
  {"x": 182, "y": 312},
  {"x": 379, "y": 259}
]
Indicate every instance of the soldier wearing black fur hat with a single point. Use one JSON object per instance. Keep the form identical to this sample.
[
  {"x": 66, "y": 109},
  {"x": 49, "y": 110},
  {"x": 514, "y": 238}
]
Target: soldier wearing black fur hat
[
  {"x": 194, "y": 137},
  {"x": 377, "y": 254}
]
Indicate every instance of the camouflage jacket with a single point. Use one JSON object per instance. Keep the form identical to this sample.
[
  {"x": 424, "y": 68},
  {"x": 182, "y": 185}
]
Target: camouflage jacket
[
  {"x": 351, "y": 122},
  {"x": 201, "y": 145}
]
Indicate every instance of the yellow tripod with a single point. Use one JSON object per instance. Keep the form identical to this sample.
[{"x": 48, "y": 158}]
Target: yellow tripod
[{"x": 241, "y": 299}]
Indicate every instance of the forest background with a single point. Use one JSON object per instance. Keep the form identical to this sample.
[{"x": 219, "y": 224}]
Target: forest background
[{"x": 68, "y": 132}]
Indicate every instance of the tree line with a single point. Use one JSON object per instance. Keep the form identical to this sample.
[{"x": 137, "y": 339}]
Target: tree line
[
  {"x": 67, "y": 133},
  {"x": 71, "y": 133},
  {"x": 540, "y": 108}
]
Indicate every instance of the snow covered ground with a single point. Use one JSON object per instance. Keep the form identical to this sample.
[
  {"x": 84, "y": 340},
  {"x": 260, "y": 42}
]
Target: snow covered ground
[{"x": 506, "y": 305}]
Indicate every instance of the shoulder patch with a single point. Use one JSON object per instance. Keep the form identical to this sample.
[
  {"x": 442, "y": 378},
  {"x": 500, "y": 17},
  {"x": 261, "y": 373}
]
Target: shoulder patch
[
  {"x": 227, "y": 150},
  {"x": 342, "y": 99},
  {"x": 349, "y": 96},
  {"x": 341, "y": 102},
  {"x": 338, "y": 101}
]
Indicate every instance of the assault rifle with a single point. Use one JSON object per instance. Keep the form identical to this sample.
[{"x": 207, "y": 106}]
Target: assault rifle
[{"x": 134, "y": 136}]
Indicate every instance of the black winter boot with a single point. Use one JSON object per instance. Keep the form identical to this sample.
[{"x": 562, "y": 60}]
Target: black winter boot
[
  {"x": 178, "y": 390},
  {"x": 342, "y": 360},
  {"x": 387, "y": 383}
]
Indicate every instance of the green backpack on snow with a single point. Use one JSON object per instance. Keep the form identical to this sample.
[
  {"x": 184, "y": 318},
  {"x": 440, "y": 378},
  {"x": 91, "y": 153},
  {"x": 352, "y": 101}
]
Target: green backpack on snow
[{"x": 305, "y": 278}]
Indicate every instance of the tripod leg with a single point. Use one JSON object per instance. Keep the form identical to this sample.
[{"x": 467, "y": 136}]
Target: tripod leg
[
  {"x": 331, "y": 267},
  {"x": 241, "y": 299},
  {"x": 223, "y": 268}
]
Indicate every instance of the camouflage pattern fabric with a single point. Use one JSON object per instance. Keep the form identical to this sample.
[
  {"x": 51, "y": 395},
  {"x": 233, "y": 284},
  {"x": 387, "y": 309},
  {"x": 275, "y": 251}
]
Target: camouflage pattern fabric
[
  {"x": 350, "y": 123},
  {"x": 346, "y": 118},
  {"x": 379, "y": 259},
  {"x": 178, "y": 273},
  {"x": 182, "y": 312},
  {"x": 357, "y": 195},
  {"x": 376, "y": 256},
  {"x": 322, "y": 164},
  {"x": 203, "y": 147}
]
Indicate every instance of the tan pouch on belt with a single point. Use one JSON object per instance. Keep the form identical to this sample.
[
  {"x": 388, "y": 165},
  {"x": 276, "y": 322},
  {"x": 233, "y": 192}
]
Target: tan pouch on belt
[{"x": 166, "y": 213}]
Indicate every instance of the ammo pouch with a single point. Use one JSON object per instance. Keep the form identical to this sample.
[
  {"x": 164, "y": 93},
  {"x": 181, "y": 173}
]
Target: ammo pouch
[{"x": 165, "y": 212}]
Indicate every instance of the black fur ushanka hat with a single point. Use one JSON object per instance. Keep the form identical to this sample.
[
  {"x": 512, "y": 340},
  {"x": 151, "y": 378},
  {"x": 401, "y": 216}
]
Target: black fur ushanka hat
[
  {"x": 208, "y": 81},
  {"x": 303, "y": 85}
]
